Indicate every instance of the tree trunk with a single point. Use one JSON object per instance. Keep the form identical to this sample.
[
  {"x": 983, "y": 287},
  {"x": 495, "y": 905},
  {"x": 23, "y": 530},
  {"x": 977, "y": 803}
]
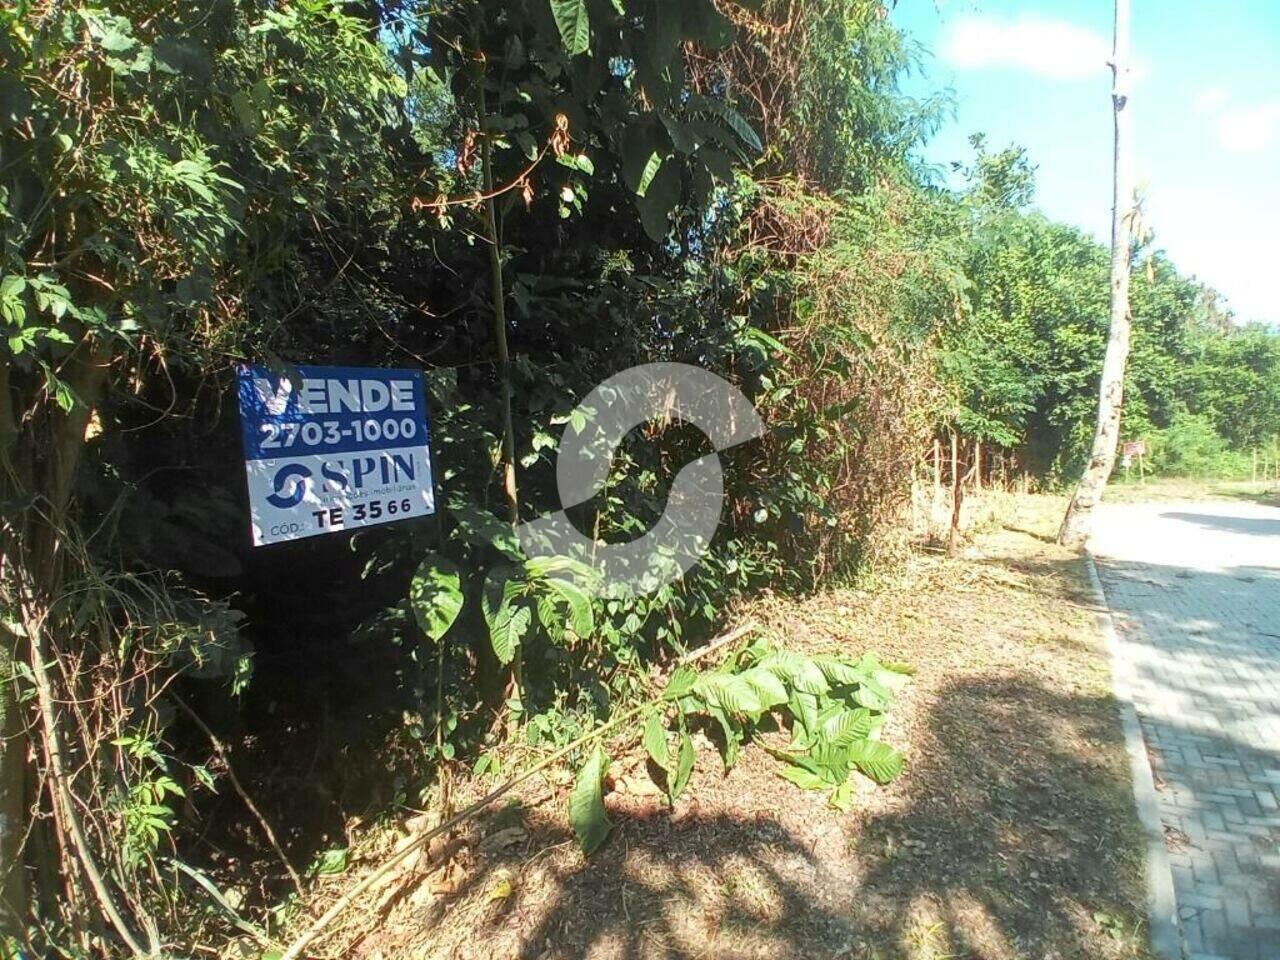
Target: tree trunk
[
  {"x": 1078, "y": 522},
  {"x": 937, "y": 469},
  {"x": 508, "y": 464},
  {"x": 499, "y": 323}
]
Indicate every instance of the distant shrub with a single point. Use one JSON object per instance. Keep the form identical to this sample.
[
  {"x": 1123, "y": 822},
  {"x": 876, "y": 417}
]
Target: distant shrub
[{"x": 1191, "y": 447}]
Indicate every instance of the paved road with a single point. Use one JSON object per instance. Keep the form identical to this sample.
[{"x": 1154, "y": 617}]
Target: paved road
[{"x": 1196, "y": 592}]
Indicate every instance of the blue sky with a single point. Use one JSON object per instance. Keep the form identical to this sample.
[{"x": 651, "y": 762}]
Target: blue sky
[{"x": 1206, "y": 109}]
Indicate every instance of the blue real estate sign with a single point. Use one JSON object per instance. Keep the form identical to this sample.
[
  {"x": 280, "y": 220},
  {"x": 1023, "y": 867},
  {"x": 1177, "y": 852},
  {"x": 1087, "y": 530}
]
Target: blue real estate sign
[{"x": 329, "y": 449}]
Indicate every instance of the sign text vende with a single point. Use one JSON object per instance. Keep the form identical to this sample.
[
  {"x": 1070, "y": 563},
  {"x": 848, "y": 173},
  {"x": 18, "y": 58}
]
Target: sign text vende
[{"x": 333, "y": 448}]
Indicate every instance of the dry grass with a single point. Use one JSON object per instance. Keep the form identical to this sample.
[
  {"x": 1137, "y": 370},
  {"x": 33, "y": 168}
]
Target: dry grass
[
  {"x": 1011, "y": 834},
  {"x": 1162, "y": 490}
]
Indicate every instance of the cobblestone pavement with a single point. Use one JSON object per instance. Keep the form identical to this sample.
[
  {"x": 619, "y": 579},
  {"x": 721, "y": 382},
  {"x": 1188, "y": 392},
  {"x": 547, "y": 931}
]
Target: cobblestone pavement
[{"x": 1195, "y": 591}]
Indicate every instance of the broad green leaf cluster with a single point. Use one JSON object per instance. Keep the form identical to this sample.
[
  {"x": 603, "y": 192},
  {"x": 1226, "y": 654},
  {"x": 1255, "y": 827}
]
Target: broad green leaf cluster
[{"x": 830, "y": 708}]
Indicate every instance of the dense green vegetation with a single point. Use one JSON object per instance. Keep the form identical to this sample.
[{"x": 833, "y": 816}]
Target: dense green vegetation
[
  {"x": 587, "y": 184},
  {"x": 1024, "y": 359}
]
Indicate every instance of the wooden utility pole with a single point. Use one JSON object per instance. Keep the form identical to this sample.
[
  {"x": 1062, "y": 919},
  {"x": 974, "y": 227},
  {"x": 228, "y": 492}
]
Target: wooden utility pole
[
  {"x": 1078, "y": 522},
  {"x": 957, "y": 498}
]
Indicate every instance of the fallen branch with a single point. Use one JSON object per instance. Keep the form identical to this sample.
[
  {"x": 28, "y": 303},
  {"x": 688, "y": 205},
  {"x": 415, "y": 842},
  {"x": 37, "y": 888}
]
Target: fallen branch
[
  {"x": 294, "y": 950},
  {"x": 735, "y": 634},
  {"x": 215, "y": 894}
]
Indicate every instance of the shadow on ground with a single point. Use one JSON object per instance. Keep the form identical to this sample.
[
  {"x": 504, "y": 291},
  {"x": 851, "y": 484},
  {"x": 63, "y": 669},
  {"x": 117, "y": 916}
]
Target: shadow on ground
[
  {"x": 1253, "y": 526},
  {"x": 1011, "y": 836},
  {"x": 1227, "y": 615}
]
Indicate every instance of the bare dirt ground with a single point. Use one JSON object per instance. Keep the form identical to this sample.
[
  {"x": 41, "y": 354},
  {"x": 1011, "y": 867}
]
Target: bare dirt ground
[
  {"x": 1010, "y": 835},
  {"x": 1160, "y": 490}
]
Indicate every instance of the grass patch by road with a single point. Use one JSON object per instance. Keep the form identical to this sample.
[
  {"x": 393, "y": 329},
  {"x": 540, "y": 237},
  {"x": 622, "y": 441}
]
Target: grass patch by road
[
  {"x": 1160, "y": 490},
  {"x": 1011, "y": 834}
]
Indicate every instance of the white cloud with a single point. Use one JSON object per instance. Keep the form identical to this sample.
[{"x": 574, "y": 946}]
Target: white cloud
[
  {"x": 1241, "y": 127},
  {"x": 1050, "y": 48},
  {"x": 1252, "y": 128},
  {"x": 1210, "y": 100},
  {"x": 1223, "y": 234}
]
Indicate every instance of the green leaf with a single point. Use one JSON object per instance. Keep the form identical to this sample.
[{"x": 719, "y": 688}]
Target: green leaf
[
  {"x": 509, "y": 637},
  {"x": 660, "y": 199},
  {"x": 11, "y": 285},
  {"x": 733, "y": 732},
  {"x": 586, "y": 802},
  {"x": 248, "y": 116},
  {"x": 507, "y": 619},
  {"x": 683, "y": 137},
  {"x": 729, "y": 693},
  {"x": 684, "y": 767},
  {"x": 578, "y": 161},
  {"x": 181, "y": 57},
  {"x": 845, "y": 727},
  {"x": 435, "y": 593},
  {"x": 573, "y": 24},
  {"x": 742, "y": 128},
  {"x": 838, "y": 670},
  {"x": 730, "y": 116},
  {"x": 799, "y": 673},
  {"x": 640, "y": 141},
  {"x": 500, "y": 588},
  {"x": 655, "y": 740},
  {"x": 528, "y": 146},
  {"x": 681, "y": 682},
  {"x": 648, "y": 172},
  {"x": 330, "y": 862},
  {"x": 719, "y": 163},
  {"x": 804, "y": 708},
  {"x": 805, "y": 779},
  {"x": 548, "y": 610},
  {"x": 842, "y": 797},
  {"x": 877, "y": 760},
  {"x": 885, "y": 679},
  {"x": 63, "y": 396},
  {"x": 581, "y": 618},
  {"x": 769, "y": 690},
  {"x": 872, "y": 696},
  {"x": 545, "y": 566},
  {"x": 481, "y": 528},
  {"x": 205, "y": 777}
]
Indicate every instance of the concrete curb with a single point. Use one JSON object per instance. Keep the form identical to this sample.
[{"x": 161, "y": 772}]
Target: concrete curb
[{"x": 1162, "y": 909}]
